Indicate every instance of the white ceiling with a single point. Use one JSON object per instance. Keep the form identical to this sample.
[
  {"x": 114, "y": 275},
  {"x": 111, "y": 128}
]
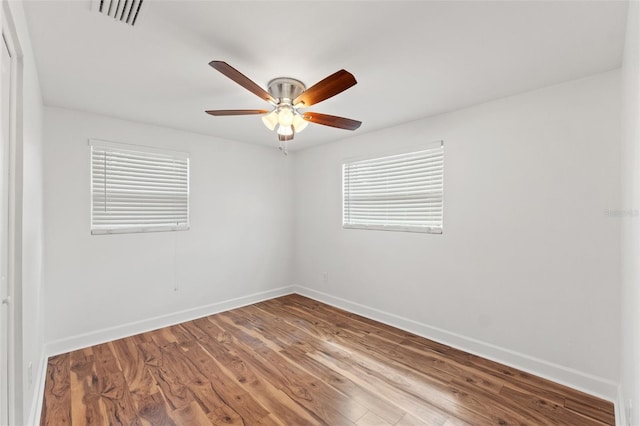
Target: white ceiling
[{"x": 411, "y": 59}]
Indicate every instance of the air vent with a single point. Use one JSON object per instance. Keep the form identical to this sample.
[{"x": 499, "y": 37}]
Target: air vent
[{"x": 127, "y": 11}]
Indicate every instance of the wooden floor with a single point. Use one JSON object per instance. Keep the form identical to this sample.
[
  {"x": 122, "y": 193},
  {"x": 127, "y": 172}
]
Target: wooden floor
[{"x": 295, "y": 361}]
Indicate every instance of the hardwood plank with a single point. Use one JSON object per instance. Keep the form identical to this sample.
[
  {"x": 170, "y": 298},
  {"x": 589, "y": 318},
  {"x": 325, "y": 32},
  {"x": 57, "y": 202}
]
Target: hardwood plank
[
  {"x": 223, "y": 383},
  {"x": 198, "y": 384},
  {"x": 114, "y": 393},
  {"x": 56, "y": 409},
  {"x": 548, "y": 408},
  {"x": 216, "y": 408},
  {"x": 191, "y": 414},
  {"x": 451, "y": 421},
  {"x": 269, "y": 420},
  {"x": 132, "y": 364},
  {"x": 371, "y": 345},
  {"x": 487, "y": 380},
  {"x": 360, "y": 394},
  {"x": 354, "y": 321},
  {"x": 173, "y": 390},
  {"x": 424, "y": 397},
  {"x": 162, "y": 337},
  {"x": 343, "y": 318},
  {"x": 596, "y": 409},
  {"x": 152, "y": 409},
  {"x": 296, "y": 361},
  {"x": 86, "y": 407},
  {"x": 307, "y": 390},
  {"x": 409, "y": 420},
  {"x": 117, "y": 400},
  {"x": 408, "y": 351},
  {"x": 369, "y": 373},
  {"x": 146, "y": 395},
  {"x": 371, "y": 419},
  {"x": 296, "y": 348},
  {"x": 270, "y": 397}
]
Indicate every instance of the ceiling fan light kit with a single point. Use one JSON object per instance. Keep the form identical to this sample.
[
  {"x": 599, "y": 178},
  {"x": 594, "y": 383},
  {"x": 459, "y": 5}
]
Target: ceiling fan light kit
[{"x": 288, "y": 96}]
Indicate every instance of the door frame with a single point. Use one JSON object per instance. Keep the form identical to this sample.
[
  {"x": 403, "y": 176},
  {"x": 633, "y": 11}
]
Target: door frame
[
  {"x": 14, "y": 244},
  {"x": 6, "y": 320}
]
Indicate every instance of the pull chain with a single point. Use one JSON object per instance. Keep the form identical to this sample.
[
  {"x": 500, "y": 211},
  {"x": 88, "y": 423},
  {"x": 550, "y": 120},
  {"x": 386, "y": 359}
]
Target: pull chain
[{"x": 283, "y": 147}]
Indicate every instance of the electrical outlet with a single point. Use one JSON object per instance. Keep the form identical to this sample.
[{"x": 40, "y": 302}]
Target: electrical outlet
[
  {"x": 325, "y": 277},
  {"x": 30, "y": 373}
]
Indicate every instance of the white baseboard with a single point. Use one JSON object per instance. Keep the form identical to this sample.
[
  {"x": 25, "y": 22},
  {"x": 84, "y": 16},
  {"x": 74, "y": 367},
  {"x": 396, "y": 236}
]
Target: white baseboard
[
  {"x": 38, "y": 395},
  {"x": 591, "y": 384},
  {"x": 108, "y": 334}
]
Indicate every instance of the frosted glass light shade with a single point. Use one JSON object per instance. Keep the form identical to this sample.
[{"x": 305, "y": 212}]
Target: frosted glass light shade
[
  {"x": 270, "y": 120},
  {"x": 285, "y": 117},
  {"x": 299, "y": 123},
  {"x": 285, "y": 130}
]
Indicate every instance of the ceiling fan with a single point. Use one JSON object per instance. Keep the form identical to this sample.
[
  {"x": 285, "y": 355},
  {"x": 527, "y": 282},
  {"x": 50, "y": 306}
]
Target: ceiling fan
[{"x": 288, "y": 97}]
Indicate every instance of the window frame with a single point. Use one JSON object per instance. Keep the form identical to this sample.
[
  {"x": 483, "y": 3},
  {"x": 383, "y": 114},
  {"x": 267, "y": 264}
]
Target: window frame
[
  {"x": 136, "y": 228},
  {"x": 393, "y": 227}
]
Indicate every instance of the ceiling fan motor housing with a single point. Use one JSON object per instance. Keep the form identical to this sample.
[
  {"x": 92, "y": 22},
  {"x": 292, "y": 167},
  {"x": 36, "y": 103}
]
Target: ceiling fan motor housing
[{"x": 285, "y": 89}]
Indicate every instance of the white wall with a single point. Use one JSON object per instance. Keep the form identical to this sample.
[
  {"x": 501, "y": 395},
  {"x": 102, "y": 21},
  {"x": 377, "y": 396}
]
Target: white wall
[
  {"x": 630, "y": 361},
  {"x": 30, "y": 344},
  {"x": 528, "y": 262},
  {"x": 105, "y": 286}
]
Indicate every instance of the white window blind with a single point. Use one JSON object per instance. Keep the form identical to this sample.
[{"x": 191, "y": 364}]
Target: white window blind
[
  {"x": 399, "y": 192},
  {"x": 138, "y": 189}
]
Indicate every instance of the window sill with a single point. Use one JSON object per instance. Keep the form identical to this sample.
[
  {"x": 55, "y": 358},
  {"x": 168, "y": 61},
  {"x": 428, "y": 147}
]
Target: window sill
[
  {"x": 419, "y": 229},
  {"x": 138, "y": 230}
]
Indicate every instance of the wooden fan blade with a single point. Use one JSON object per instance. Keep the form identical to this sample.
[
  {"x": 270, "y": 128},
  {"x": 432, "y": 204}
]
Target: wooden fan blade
[
  {"x": 324, "y": 89},
  {"x": 221, "y": 112},
  {"x": 331, "y": 120},
  {"x": 241, "y": 79}
]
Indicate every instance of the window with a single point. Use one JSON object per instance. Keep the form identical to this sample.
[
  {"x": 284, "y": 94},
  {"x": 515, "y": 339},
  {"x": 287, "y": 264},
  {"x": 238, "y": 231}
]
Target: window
[
  {"x": 397, "y": 193},
  {"x": 138, "y": 189}
]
